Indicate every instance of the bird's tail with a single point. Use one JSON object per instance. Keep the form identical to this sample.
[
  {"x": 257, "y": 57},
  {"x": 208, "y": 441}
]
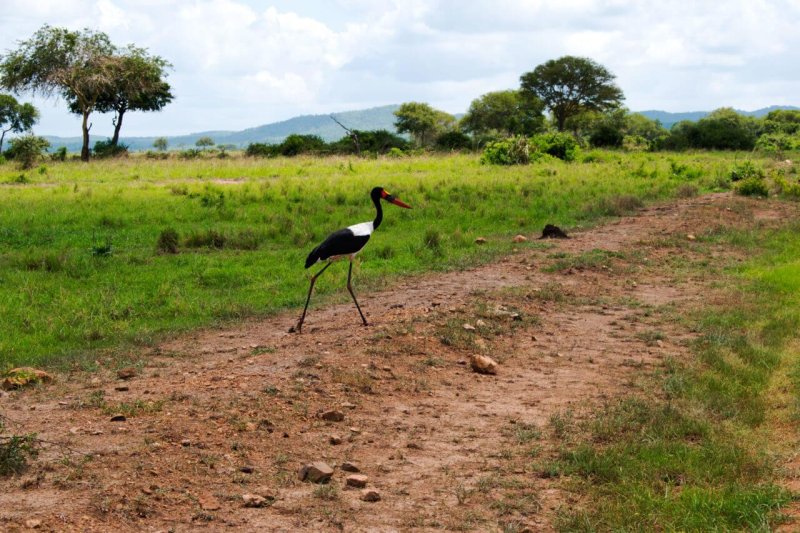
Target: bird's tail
[{"x": 313, "y": 257}]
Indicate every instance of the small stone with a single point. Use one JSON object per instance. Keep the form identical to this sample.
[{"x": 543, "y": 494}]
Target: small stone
[
  {"x": 254, "y": 500},
  {"x": 691, "y": 237},
  {"x": 480, "y": 240},
  {"x": 33, "y": 523},
  {"x": 350, "y": 467},
  {"x": 348, "y": 405},
  {"x": 335, "y": 439},
  {"x": 126, "y": 373},
  {"x": 370, "y": 495},
  {"x": 332, "y": 416},
  {"x": 318, "y": 472},
  {"x": 469, "y": 327},
  {"x": 118, "y": 418},
  {"x": 461, "y": 362},
  {"x": 358, "y": 481},
  {"x": 480, "y": 323},
  {"x": 122, "y": 388},
  {"x": 483, "y": 364},
  {"x": 247, "y": 469},
  {"x": 186, "y": 443},
  {"x": 519, "y": 238}
]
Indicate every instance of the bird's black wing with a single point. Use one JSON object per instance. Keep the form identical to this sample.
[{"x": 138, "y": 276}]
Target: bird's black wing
[{"x": 340, "y": 242}]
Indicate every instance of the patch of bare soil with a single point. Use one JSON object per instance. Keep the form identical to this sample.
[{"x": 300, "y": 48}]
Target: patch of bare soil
[{"x": 217, "y": 424}]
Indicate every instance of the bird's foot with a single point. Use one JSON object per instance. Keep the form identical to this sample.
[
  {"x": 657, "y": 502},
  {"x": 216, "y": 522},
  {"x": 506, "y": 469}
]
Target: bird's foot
[{"x": 296, "y": 329}]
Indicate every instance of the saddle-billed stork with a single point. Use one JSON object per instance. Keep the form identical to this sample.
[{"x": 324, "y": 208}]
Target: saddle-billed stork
[{"x": 347, "y": 242}]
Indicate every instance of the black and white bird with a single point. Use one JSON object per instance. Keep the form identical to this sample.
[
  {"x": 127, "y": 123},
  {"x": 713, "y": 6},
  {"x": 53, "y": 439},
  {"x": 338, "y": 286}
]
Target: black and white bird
[{"x": 346, "y": 243}]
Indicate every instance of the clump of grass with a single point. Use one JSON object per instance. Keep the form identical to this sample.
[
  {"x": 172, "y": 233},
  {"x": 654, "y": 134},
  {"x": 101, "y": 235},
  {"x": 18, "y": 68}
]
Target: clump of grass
[
  {"x": 753, "y": 186},
  {"x": 432, "y": 240},
  {"x": 168, "y": 241},
  {"x": 210, "y": 238},
  {"x": 327, "y": 491},
  {"x": 15, "y": 451},
  {"x": 686, "y": 190}
]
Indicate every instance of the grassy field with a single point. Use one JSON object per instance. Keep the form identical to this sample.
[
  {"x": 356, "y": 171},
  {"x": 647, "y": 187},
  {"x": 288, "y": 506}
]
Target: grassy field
[
  {"x": 704, "y": 458},
  {"x": 81, "y": 270}
]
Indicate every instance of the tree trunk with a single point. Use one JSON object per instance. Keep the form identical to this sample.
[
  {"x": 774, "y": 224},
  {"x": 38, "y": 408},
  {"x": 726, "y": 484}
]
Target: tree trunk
[
  {"x": 117, "y": 127},
  {"x": 85, "y": 130},
  {"x": 3, "y": 136}
]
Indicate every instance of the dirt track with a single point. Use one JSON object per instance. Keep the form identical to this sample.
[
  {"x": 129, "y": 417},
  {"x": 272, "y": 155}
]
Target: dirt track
[{"x": 220, "y": 414}]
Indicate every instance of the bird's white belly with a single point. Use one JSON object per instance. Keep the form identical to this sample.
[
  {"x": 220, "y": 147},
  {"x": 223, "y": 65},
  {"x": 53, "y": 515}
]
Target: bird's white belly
[{"x": 359, "y": 230}]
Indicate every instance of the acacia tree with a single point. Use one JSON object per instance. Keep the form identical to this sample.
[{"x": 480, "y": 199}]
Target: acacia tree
[
  {"x": 571, "y": 85},
  {"x": 509, "y": 112},
  {"x": 77, "y": 65},
  {"x": 15, "y": 117},
  {"x": 422, "y": 121},
  {"x": 137, "y": 84}
]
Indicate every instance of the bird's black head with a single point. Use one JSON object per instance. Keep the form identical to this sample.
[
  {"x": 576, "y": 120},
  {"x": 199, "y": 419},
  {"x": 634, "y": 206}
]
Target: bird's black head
[{"x": 379, "y": 192}]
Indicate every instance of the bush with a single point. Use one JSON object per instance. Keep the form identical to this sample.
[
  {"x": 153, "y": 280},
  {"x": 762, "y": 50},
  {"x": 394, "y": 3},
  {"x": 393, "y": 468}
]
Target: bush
[
  {"x": 745, "y": 170},
  {"x": 560, "y": 145},
  {"x": 207, "y": 239},
  {"x": 396, "y": 153},
  {"x": 27, "y": 150},
  {"x": 511, "y": 151},
  {"x": 453, "y": 140},
  {"x": 777, "y": 143},
  {"x": 168, "y": 241},
  {"x": 60, "y": 154},
  {"x": 190, "y": 153},
  {"x": 300, "y": 144},
  {"x": 261, "y": 150},
  {"x": 15, "y": 452},
  {"x": 752, "y": 186},
  {"x": 105, "y": 149}
]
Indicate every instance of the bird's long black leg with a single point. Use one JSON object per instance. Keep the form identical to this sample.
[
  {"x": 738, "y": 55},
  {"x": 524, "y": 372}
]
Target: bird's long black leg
[
  {"x": 350, "y": 288},
  {"x": 299, "y": 325}
]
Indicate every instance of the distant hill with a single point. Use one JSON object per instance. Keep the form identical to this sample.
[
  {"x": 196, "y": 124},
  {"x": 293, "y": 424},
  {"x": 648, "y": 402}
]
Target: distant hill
[
  {"x": 668, "y": 119},
  {"x": 375, "y": 118}
]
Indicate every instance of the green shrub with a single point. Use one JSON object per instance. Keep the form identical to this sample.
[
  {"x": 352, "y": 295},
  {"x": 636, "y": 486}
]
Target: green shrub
[
  {"x": 105, "y": 149},
  {"x": 190, "y": 153},
  {"x": 745, "y": 170},
  {"x": 395, "y": 152},
  {"x": 27, "y": 150},
  {"x": 752, "y": 186},
  {"x": 15, "y": 452},
  {"x": 60, "y": 154},
  {"x": 168, "y": 241},
  {"x": 453, "y": 140},
  {"x": 560, "y": 145},
  {"x": 261, "y": 150},
  {"x": 511, "y": 151}
]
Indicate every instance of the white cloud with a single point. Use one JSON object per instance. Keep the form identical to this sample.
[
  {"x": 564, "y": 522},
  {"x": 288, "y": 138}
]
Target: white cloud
[{"x": 240, "y": 63}]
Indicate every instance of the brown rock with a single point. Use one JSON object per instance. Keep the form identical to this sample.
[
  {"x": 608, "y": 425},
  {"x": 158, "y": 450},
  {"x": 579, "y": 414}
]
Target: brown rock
[
  {"x": 370, "y": 495},
  {"x": 254, "y": 500},
  {"x": 483, "y": 364},
  {"x": 33, "y": 523},
  {"x": 480, "y": 240},
  {"x": 358, "y": 481},
  {"x": 126, "y": 373},
  {"x": 332, "y": 416},
  {"x": 335, "y": 439},
  {"x": 468, "y": 327},
  {"x": 20, "y": 377},
  {"x": 519, "y": 238},
  {"x": 318, "y": 472},
  {"x": 350, "y": 467}
]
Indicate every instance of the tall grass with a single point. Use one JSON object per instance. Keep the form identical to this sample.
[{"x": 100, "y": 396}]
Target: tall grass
[{"x": 242, "y": 228}]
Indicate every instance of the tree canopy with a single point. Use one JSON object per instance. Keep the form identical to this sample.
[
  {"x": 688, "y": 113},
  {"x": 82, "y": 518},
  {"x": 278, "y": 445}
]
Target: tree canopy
[
  {"x": 15, "y": 117},
  {"x": 422, "y": 121},
  {"x": 571, "y": 85},
  {"x": 88, "y": 72},
  {"x": 508, "y": 112}
]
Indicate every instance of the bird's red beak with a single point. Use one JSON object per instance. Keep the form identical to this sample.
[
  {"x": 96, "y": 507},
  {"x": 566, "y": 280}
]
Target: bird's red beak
[{"x": 389, "y": 198}]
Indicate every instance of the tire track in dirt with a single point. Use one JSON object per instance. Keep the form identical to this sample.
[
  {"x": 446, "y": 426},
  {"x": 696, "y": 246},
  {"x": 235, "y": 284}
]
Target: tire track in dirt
[{"x": 217, "y": 414}]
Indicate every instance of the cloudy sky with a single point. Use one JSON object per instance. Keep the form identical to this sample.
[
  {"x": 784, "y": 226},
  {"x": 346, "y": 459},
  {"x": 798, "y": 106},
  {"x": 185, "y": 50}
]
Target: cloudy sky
[{"x": 243, "y": 63}]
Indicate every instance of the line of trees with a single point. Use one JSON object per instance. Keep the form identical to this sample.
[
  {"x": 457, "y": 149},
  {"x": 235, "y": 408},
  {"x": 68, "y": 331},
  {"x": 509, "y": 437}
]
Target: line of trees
[{"x": 89, "y": 73}]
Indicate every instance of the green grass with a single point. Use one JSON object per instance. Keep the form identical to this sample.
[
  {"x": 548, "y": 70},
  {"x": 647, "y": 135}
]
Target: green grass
[
  {"x": 702, "y": 458},
  {"x": 84, "y": 265}
]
